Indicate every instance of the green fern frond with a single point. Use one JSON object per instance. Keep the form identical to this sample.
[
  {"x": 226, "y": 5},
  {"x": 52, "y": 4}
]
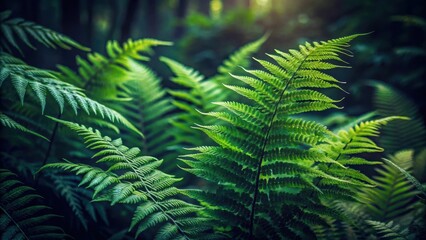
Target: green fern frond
[
  {"x": 237, "y": 60},
  {"x": 103, "y": 75},
  {"x": 17, "y": 28},
  {"x": 408, "y": 176},
  {"x": 199, "y": 92},
  {"x": 151, "y": 110},
  {"x": 78, "y": 199},
  {"x": 389, "y": 231},
  {"x": 399, "y": 135},
  {"x": 394, "y": 194},
  {"x": 21, "y": 216},
  {"x": 262, "y": 152},
  {"x": 42, "y": 82},
  {"x": 10, "y": 123},
  {"x": 356, "y": 140},
  {"x": 134, "y": 179}
]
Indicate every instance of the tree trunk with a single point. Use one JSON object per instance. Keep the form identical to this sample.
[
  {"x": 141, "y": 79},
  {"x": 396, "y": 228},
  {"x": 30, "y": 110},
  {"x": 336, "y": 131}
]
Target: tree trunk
[
  {"x": 129, "y": 19},
  {"x": 180, "y": 16}
]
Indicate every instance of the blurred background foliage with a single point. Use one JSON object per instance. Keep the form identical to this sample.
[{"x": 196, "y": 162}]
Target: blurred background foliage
[{"x": 205, "y": 32}]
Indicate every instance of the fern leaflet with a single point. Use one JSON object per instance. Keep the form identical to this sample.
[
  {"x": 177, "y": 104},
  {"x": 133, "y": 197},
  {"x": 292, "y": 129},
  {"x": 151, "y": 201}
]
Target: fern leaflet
[
  {"x": 10, "y": 123},
  {"x": 393, "y": 195},
  {"x": 42, "y": 82},
  {"x": 24, "y": 30},
  {"x": 389, "y": 231}
]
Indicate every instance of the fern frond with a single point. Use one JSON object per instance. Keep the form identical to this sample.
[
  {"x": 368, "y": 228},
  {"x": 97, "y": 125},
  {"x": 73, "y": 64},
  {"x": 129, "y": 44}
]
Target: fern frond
[
  {"x": 389, "y": 230},
  {"x": 17, "y": 28},
  {"x": 394, "y": 194},
  {"x": 151, "y": 110},
  {"x": 134, "y": 179},
  {"x": 102, "y": 75},
  {"x": 237, "y": 60},
  {"x": 42, "y": 82},
  {"x": 10, "y": 123},
  {"x": 262, "y": 152},
  {"x": 77, "y": 198},
  {"x": 408, "y": 176},
  {"x": 399, "y": 135},
  {"x": 21, "y": 216},
  {"x": 199, "y": 92}
]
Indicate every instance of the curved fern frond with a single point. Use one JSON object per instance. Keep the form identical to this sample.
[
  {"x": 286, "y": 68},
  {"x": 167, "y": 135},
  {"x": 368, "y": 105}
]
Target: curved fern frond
[
  {"x": 17, "y": 28},
  {"x": 399, "y": 135},
  {"x": 389, "y": 231},
  {"x": 134, "y": 179},
  {"x": 42, "y": 82},
  {"x": 102, "y": 75},
  {"x": 21, "y": 216},
  {"x": 394, "y": 194},
  {"x": 262, "y": 152},
  {"x": 10, "y": 123}
]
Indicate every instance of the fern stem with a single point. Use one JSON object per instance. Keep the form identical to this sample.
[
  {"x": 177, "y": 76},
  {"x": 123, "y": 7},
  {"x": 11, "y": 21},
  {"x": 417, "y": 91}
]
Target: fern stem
[
  {"x": 265, "y": 143},
  {"x": 49, "y": 148},
  {"x": 16, "y": 224},
  {"x": 142, "y": 127}
]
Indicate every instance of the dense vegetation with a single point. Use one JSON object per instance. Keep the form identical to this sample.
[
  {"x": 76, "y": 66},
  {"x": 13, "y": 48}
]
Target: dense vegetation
[{"x": 258, "y": 149}]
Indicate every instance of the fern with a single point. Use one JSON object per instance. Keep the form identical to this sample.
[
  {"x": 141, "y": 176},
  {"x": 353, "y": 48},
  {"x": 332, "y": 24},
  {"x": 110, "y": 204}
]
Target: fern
[
  {"x": 399, "y": 136},
  {"x": 347, "y": 145},
  {"x": 103, "y": 75},
  {"x": 409, "y": 177},
  {"x": 78, "y": 199},
  {"x": 262, "y": 155},
  {"x": 12, "y": 28},
  {"x": 389, "y": 230},
  {"x": 394, "y": 195},
  {"x": 188, "y": 101},
  {"x": 134, "y": 179},
  {"x": 10, "y": 123},
  {"x": 199, "y": 92},
  {"x": 237, "y": 60},
  {"x": 151, "y": 110},
  {"x": 41, "y": 82},
  {"x": 21, "y": 216}
]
